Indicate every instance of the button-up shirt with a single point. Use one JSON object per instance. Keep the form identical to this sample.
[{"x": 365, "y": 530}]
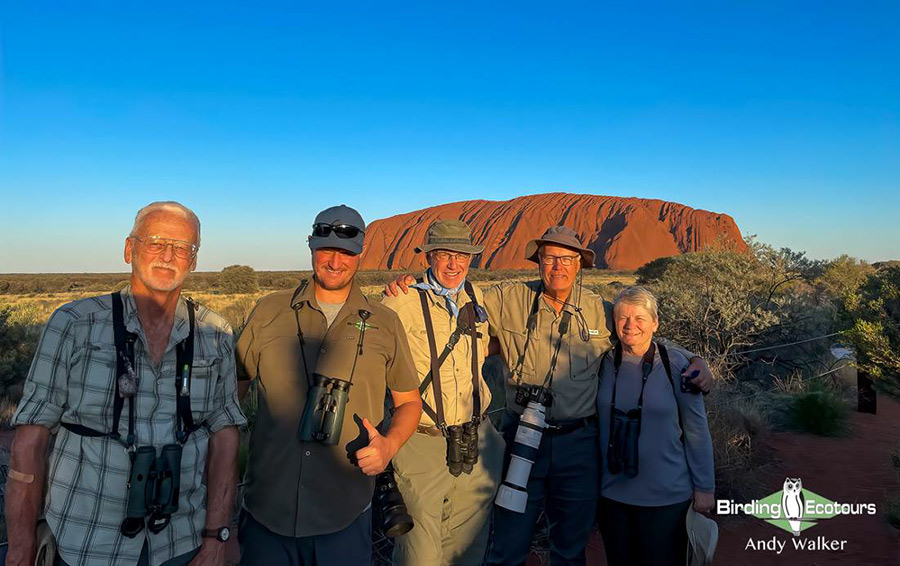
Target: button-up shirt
[
  {"x": 456, "y": 371},
  {"x": 296, "y": 488},
  {"x": 72, "y": 380},
  {"x": 574, "y": 381}
]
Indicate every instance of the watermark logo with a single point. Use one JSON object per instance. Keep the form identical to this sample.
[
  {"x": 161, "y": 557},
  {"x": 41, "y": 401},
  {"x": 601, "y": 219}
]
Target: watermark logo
[{"x": 794, "y": 509}]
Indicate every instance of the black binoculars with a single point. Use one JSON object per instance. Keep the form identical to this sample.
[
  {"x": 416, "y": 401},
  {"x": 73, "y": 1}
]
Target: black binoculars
[
  {"x": 462, "y": 447},
  {"x": 154, "y": 487},
  {"x": 533, "y": 394},
  {"x": 624, "y": 434},
  {"x": 392, "y": 513},
  {"x": 323, "y": 415}
]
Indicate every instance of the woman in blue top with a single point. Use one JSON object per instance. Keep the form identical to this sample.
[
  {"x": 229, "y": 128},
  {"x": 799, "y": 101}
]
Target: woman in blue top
[{"x": 655, "y": 445}]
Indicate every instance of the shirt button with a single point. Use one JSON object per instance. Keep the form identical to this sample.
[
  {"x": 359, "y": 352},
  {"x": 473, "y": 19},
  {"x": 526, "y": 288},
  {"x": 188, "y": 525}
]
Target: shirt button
[
  {"x": 307, "y": 452},
  {"x": 322, "y": 351}
]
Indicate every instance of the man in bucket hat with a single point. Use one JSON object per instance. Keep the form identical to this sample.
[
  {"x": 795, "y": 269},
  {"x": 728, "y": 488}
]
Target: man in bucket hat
[
  {"x": 552, "y": 333},
  {"x": 309, "y": 484},
  {"x": 449, "y": 470}
]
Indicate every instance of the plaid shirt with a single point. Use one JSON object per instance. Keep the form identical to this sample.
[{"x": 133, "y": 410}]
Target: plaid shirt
[{"x": 72, "y": 381}]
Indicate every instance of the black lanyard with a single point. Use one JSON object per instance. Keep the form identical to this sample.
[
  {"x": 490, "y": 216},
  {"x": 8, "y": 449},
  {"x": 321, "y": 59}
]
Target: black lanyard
[{"x": 646, "y": 369}]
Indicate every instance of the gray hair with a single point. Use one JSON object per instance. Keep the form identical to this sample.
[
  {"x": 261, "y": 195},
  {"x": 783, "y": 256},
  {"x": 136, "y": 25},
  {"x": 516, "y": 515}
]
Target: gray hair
[
  {"x": 165, "y": 206},
  {"x": 639, "y": 296}
]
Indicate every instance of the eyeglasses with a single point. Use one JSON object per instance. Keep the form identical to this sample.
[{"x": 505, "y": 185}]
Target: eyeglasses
[
  {"x": 445, "y": 256},
  {"x": 156, "y": 245},
  {"x": 564, "y": 260},
  {"x": 345, "y": 231}
]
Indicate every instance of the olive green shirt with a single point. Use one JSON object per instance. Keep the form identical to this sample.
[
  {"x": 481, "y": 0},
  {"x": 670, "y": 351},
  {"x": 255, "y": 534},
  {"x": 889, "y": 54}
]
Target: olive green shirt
[
  {"x": 456, "y": 371},
  {"x": 297, "y": 488},
  {"x": 574, "y": 381}
]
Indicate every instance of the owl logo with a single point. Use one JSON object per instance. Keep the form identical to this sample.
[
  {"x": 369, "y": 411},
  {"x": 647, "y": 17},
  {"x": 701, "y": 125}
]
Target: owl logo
[{"x": 793, "y": 503}]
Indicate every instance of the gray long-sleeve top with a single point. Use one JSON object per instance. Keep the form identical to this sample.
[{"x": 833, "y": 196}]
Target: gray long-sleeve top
[{"x": 664, "y": 477}]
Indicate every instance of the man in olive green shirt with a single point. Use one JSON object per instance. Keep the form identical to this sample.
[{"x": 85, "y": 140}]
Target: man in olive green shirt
[
  {"x": 451, "y": 508},
  {"x": 308, "y": 502}
]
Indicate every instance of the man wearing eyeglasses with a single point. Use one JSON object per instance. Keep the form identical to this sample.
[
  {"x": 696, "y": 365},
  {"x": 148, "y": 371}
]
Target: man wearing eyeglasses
[
  {"x": 553, "y": 333},
  {"x": 449, "y": 470},
  {"x": 309, "y": 485},
  {"x": 101, "y": 416}
]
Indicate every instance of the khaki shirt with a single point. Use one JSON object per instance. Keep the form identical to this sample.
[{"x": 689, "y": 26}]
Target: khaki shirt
[
  {"x": 575, "y": 378},
  {"x": 298, "y": 488},
  {"x": 456, "y": 371}
]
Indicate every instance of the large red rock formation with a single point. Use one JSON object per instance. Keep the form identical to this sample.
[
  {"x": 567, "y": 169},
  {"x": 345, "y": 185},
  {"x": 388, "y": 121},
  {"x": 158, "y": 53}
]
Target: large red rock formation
[{"x": 625, "y": 233}]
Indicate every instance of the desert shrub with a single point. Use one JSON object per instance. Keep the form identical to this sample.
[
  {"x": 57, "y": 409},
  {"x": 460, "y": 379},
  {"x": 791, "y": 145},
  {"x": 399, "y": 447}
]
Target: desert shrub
[
  {"x": 820, "y": 411},
  {"x": 875, "y": 311},
  {"x": 892, "y": 511},
  {"x": 718, "y": 303},
  {"x": 18, "y": 342},
  {"x": 236, "y": 313},
  {"x": 236, "y": 279},
  {"x": 737, "y": 427}
]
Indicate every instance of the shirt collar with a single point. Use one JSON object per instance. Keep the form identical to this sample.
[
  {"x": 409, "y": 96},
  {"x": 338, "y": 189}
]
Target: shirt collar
[
  {"x": 356, "y": 300},
  {"x": 180, "y": 326}
]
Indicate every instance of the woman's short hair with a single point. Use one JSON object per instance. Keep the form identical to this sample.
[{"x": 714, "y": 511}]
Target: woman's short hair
[{"x": 640, "y": 296}]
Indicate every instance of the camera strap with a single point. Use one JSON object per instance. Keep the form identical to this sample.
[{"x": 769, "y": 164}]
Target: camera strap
[
  {"x": 300, "y": 332},
  {"x": 433, "y": 378},
  {"x": 530, "y": 325},
  {"x": 184, "y": 361}
]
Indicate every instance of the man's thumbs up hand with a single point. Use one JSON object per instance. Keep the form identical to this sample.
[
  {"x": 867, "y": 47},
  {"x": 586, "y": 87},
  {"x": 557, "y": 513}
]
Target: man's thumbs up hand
[{"x": 374, "y": 458}]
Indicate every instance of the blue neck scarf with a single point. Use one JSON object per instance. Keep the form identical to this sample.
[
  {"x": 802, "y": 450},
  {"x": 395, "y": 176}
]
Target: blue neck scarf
[{"x": 431, "y": 284}]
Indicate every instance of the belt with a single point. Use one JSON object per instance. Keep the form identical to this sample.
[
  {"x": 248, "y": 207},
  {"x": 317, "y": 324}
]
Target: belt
[
  {"x": 567, "y": 426},
  {"x": 432, "y": 430}
]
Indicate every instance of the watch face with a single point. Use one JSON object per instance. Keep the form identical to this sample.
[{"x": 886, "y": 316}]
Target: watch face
[{"x": 224, "y": 534}]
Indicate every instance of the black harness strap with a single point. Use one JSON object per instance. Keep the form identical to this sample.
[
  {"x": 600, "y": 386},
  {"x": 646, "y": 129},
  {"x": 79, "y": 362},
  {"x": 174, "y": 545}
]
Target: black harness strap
[
  {"x": 184, "y": 361},
  {"x": 125, "y": 359},
  {"x": 664, "y": 356},
  {"x": 300, "y": 338},
  {"x": 433, "y": 377}
]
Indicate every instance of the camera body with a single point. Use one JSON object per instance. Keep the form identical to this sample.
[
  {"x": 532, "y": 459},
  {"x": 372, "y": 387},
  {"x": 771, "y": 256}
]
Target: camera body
[
  {"x": 323, "y": 415},
  {"x": 526, "y": 394}
]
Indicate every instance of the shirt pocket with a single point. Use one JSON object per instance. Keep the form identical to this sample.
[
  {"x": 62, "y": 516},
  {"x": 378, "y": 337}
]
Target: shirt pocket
[
  {"x": 92, "y": 371},
  {"x": 204, "y": 376},
  {"x": 519, "y": 344}
]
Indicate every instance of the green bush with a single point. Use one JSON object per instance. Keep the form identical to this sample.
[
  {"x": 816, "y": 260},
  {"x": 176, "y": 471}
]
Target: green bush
[
  {"x": 237, "y": 279},
  {"x": 875, "y": 311},
  {"x": 820, "y": 411},
  {"x": 18, "y": 342}
]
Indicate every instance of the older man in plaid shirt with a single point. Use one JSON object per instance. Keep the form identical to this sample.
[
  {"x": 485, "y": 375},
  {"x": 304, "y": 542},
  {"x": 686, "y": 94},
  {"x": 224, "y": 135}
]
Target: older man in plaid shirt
[{"x": 71, "y": 394}]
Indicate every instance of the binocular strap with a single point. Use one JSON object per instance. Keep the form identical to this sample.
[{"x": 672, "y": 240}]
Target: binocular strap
[
  {"x": 646, "y": 367},
  {"x": 434, "y": 377}
]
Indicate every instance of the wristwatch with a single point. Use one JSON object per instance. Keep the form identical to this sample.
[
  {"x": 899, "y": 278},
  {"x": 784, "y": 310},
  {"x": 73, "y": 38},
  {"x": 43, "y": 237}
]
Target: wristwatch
[{"x": 221, "y": 534}]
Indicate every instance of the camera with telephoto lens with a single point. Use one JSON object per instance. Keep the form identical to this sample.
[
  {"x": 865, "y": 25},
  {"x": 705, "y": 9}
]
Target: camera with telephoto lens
[
  {"x": 154, "y": 488},
  {"x": 323, "y": 415},
  {"x": 624, "y": 435},
  {"x": 394, "y": 517},
  {"x": 513, "y": 494}
]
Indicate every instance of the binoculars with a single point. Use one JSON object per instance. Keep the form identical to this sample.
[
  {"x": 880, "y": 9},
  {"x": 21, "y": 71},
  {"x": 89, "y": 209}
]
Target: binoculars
[
  {"x": 462, "y": 447},
  {"x": 323, "y": 415},
  {"x": 392, "y": 512},
  {"x": 624, "y": 435},
  {"x": 154, "y": 487}
]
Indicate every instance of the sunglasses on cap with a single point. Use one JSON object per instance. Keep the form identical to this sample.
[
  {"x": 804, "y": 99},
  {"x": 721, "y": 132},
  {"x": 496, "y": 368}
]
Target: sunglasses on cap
[{"x": 340, "y": 230}]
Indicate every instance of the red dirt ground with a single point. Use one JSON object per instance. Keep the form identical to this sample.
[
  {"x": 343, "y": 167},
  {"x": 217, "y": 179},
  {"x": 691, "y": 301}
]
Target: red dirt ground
[{"x": 853, "y": 469}]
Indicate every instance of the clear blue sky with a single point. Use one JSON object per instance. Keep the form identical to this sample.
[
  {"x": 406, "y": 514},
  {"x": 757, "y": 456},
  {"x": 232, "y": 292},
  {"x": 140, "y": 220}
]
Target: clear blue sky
[{"x": 784, "y": 115}]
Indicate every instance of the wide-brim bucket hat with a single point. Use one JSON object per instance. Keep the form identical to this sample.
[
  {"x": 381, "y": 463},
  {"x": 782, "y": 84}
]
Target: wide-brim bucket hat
[
  {"x": 452, "y": 235},
  {"x": 339, "y": 216},
  {"x": 560, "y": 236}
]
